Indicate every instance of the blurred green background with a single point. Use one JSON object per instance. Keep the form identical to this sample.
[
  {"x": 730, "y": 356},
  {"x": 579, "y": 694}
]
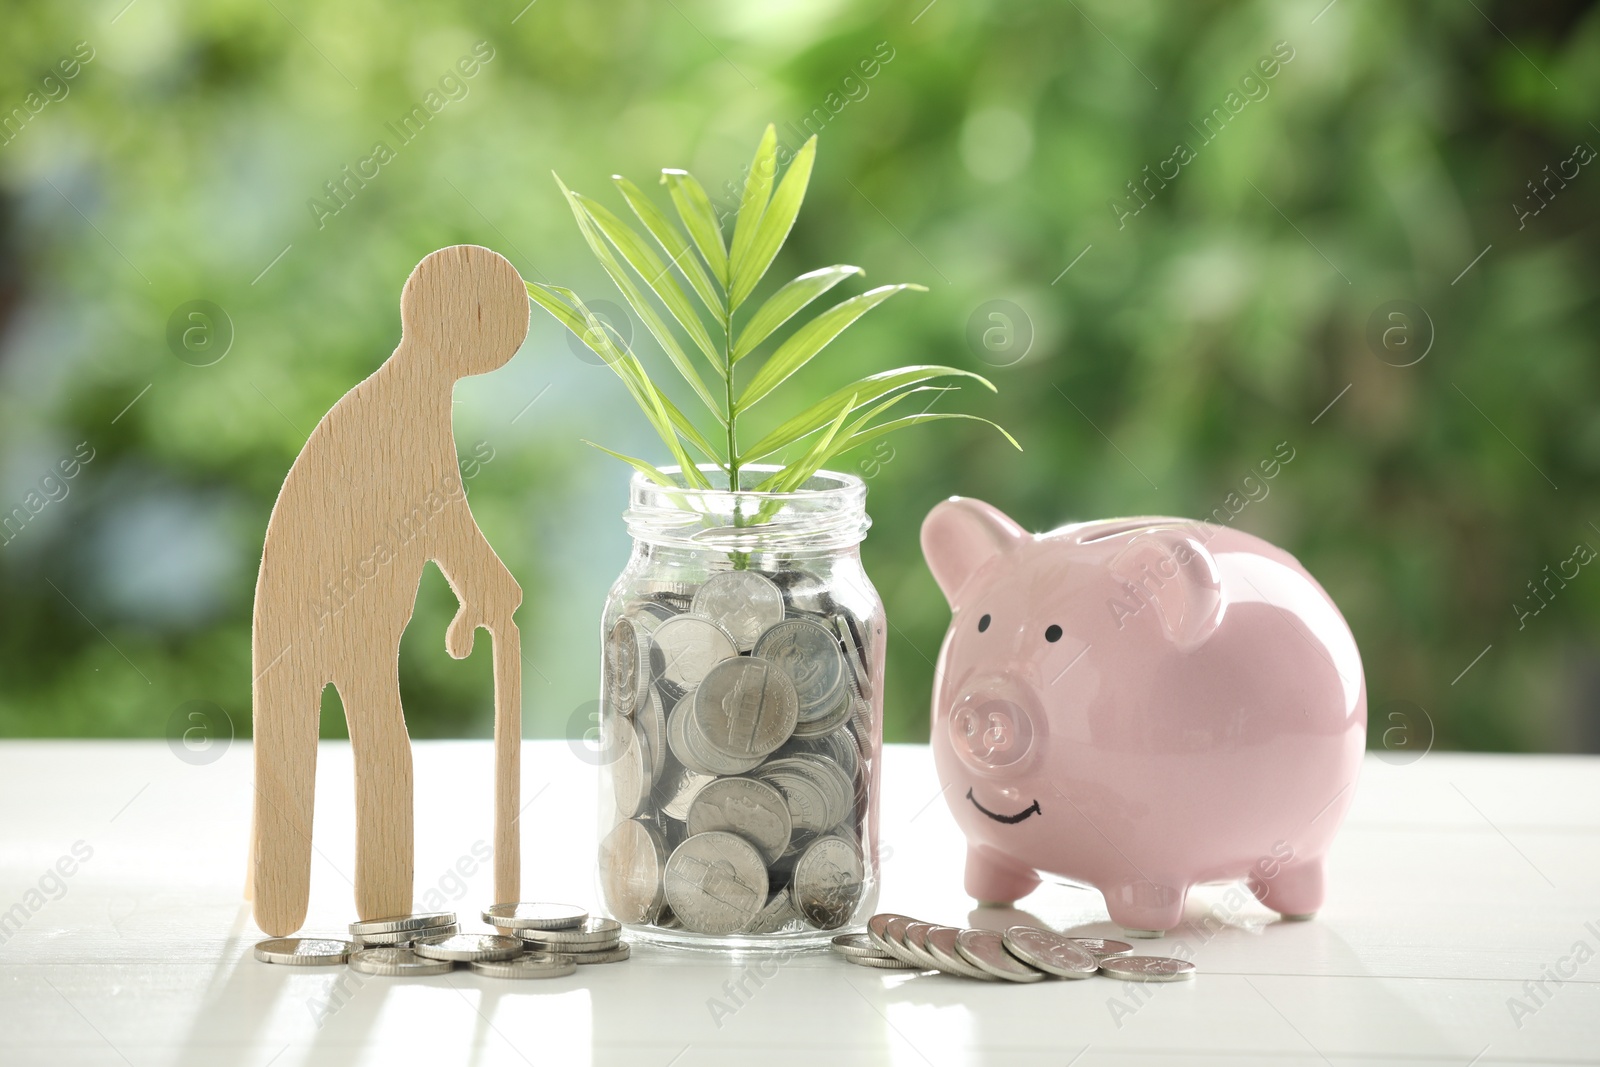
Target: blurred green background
[{"x": 1431, "y": 154}]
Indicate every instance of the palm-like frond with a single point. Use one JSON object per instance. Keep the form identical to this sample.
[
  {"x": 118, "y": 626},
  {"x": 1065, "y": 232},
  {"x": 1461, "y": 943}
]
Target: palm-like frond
[{"x": 724, "y": 276}]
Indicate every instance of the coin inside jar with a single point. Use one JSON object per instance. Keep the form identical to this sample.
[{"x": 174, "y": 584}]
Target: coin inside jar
[
  {"x": 828, "y": 882},
  {"x": 745, "y": 806},
  {"x": 744, "y": 707},
  {"x": 627, "y": 665},
  {"x": 716, "y": 883},
  {"x": 744, "y": 603},
  {"x": 690, "y": 646},
  {"x": 812, "y": 659},
  {"x": 632, "y": 859}
]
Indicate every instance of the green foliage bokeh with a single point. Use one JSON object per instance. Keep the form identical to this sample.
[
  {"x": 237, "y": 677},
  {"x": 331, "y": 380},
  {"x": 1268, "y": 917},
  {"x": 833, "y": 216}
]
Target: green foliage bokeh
[{"x": 990, "y": 148}]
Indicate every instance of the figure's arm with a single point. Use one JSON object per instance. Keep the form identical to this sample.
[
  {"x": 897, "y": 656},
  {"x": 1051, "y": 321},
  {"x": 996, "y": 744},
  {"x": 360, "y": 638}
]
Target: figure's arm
[{"x": 489, "y": 595}]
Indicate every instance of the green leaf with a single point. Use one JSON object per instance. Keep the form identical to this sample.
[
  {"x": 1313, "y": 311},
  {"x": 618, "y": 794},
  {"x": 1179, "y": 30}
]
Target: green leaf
[
  {"x": 636, "y": 300},
  {"x": 700, "y": 219},
  {"x": 653, "y": 272},
  {"x": 776, "y": 222},
  {"x": 810, "y": 339},
  {"x": 783, "y": 305},
  {"x": 752, "y": 205},
  {"x": 674, "y": 244},
  {"x": 794, "y": 475},
  {"x": 662, "y": 414},
  {"x": 868, "y": 389},
  {"x": 861, "y": 437},
  {"x": 640, "y": 465}
]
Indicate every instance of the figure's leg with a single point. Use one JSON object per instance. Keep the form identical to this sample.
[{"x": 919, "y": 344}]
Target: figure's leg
[
  {"x": 1296, "y": 891},
  {"x": 1146, "y": 910},
  {"x": 995, "y": 879},
  {"x": 382, "y": 753},
  {"x": 286, "y": 715}
]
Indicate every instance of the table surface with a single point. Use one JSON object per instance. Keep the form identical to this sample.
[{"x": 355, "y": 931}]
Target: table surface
[{"x": 1458, "y": 882}]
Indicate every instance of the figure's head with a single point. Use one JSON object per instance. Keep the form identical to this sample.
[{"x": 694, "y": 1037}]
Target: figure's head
[{"x": 464, "y": 311}]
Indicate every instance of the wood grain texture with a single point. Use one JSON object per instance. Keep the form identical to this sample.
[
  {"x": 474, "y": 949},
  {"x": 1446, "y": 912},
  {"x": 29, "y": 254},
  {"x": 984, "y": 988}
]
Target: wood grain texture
[{"x": 373, "y": 497}]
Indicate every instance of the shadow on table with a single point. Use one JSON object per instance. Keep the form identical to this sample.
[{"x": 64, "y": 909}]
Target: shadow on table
[{"x": 242, "y": 1005}]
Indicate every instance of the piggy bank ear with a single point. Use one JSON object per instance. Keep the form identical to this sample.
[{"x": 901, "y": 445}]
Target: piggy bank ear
[
  {"x": 960, "y": 535},
  {"x": 1170, "y": 572}
]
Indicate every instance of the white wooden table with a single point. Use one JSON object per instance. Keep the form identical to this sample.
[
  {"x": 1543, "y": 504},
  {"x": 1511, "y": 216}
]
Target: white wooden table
[{"x": 1460, "y": 882}]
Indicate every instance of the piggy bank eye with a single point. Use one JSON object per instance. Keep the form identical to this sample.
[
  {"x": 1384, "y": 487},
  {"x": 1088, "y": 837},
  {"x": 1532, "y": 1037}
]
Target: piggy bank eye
[
  {"x": 983, "y": 624},
  {"x": 1052, "y": 633},
  {"x": 992, "y": 734}
]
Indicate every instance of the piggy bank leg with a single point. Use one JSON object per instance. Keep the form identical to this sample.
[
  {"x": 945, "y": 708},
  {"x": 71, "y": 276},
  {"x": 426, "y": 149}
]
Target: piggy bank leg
[
  {"x": 994, "y": 878},
  {"x": 1295, "y": 891},
  {"x": 1143, "y": 909}
]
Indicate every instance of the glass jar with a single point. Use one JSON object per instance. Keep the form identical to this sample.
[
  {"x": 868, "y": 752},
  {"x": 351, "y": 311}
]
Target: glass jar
[{"x": 741, "y": 716}]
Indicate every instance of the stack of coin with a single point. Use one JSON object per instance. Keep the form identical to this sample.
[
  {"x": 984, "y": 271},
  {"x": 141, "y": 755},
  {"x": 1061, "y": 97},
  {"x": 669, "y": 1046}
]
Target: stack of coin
[
  {"x": 1020, "y": 954},
  {"x": 401, "y": 930},
  {"x": 536, "y": 941},
  {"x": 739, "y": 734}
]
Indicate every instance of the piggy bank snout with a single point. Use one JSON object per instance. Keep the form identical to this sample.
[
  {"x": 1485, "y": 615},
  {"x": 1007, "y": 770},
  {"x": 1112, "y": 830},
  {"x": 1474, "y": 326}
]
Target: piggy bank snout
[{"x": 997, "y": 727}]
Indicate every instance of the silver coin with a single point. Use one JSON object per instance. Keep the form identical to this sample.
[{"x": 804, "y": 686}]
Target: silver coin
[
  {"x": 940, "y": 943},
  {"x": 802, "y": 591},
  {"x": 303, "y": 951},
  {"x": 744, "y": 708},
  {"x": 627, "y": 665},
  {"x": 690, "y": 646},
  {"x": 648, "y": 614},
  {"x": 985, "y": 950},
  {"x": 593, "y": 931},
  {"x": 883, "y": 963},
  {"x": 914, "y": 937},
  {"x": 1101, "y": 947},
  {"x": 664, "y": 587},
  {"x": 878, "y": 929},
  {"x": 832, "y": 719},
  {"x": 402, "y": 922},
  {"x": 859, "y": 945},
  {"x": 678, "y": 788},
  {"x": 748, "y": 807},
  {"x": 392, "y": 960},
  {"x": 892, "y": 939},
  {"x": 524, "y": 916},
  {"x": 630, "y": 771},
  {"x": 632, "y": 859},
  {"x": 403, "y": 937},
  {"x": 1147, "y": 968},
  {"x": 687, "y": 743},
  {"x": 743, "y": 603},
  {"x": 850, "y": 637},
  {"x": 616, "y": 954},
  {"x": 816, "y": 790},
  {"x": 827, "y": 882},
  {"x": 465, "y": 948},
  {"x": 716, "y": 883},
  {"x": 1050, "y": 952},
  {"x": 811, "y": 657},
  {"x": 778, "y": 913},
  {"x": 528, "y": 966},
  {"x": 651, "y": 715}
]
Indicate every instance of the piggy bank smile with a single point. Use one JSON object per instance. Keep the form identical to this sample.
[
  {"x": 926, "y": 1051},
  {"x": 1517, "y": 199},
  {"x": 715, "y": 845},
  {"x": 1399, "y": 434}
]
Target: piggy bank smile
[{"x": 1010, "y": 820}]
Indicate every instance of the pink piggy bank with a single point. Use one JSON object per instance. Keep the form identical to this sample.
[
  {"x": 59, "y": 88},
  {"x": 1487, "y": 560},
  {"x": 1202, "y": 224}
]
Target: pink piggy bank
[{"x": 1141, "y": 705}]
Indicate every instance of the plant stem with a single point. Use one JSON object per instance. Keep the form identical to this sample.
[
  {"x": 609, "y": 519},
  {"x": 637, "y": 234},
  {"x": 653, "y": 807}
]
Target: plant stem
[
  {"x": 727, "y": 382},
  {"x": 741, "y": 560}
]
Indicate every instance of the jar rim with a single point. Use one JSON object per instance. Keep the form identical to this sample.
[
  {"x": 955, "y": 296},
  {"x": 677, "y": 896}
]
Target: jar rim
[{"x": 827, "y": 512}]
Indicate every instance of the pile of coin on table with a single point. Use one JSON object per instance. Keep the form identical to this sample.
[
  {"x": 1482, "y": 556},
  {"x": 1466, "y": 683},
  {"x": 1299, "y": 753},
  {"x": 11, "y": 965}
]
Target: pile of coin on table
[
  {"x": 536, "y": 941},
  {"x": 1021, "y": 954},
  {"x": 738, "y": 726}
]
